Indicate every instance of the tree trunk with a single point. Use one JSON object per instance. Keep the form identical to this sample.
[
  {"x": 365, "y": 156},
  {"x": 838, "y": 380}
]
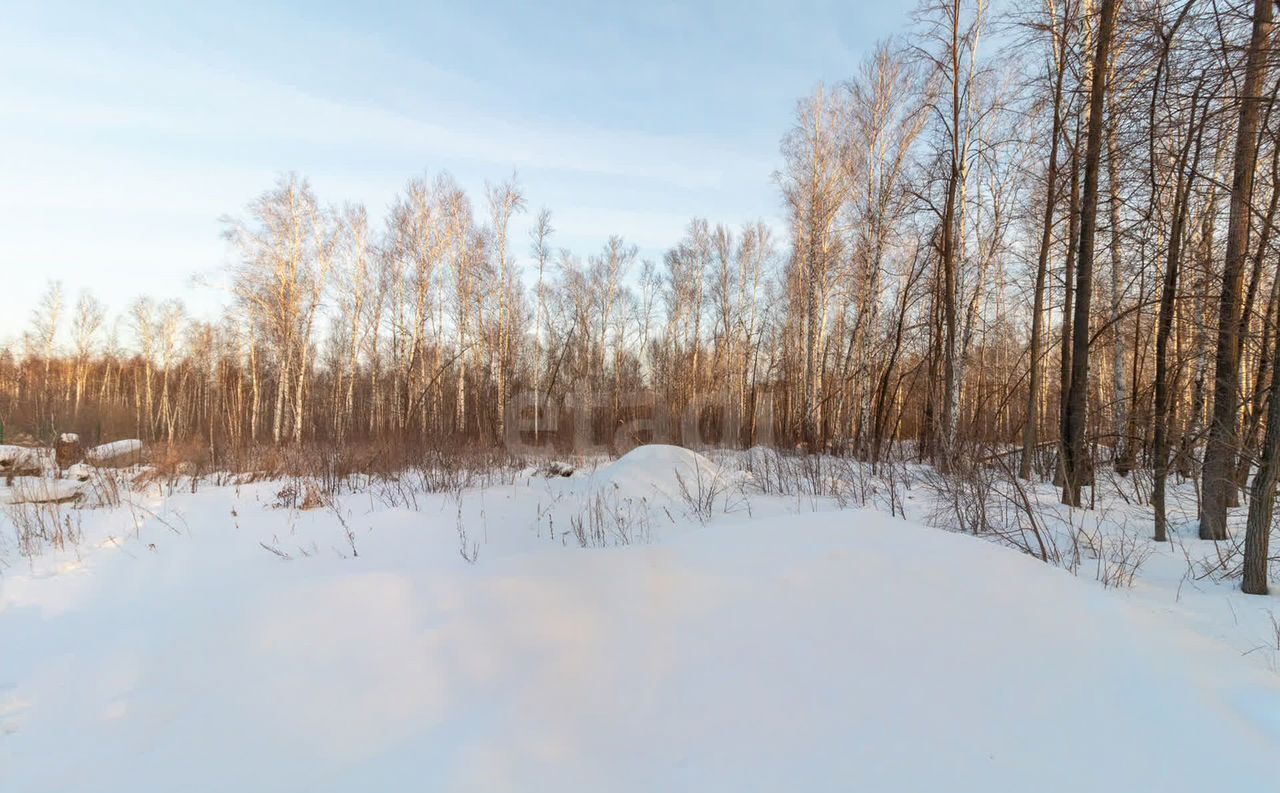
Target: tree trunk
[
  {"x": 1120, "y": 390},
  {"x": 1075, "y": 447},
  {"x": 1262, "y": 494},
  {"x": 1220, "y": 453},
  {"x": 1031, "y": 425}
]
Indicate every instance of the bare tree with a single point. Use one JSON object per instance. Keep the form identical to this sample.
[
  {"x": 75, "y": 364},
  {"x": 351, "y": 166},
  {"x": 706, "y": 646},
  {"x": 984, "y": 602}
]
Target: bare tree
[
  {"x": 85, "y": 325},
  {"x": 504, "y": 201},
  {"x": 1076, "y": 455},
  {"x": 1218, "y": 474}
]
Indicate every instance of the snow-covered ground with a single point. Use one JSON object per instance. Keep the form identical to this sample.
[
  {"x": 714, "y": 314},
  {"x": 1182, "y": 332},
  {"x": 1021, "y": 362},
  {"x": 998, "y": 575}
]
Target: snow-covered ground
[{"x": 710, "y": 636}]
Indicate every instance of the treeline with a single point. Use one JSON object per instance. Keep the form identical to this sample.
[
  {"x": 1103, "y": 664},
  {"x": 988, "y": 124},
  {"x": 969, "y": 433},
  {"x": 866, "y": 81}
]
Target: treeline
[{"x": 1052, "y": 228}]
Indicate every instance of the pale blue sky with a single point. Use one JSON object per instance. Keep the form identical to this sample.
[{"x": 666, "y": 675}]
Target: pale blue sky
[{"x": 128, "y": 128}]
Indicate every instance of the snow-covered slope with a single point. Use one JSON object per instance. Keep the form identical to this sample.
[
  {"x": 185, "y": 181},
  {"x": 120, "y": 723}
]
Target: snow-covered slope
[{"x": 815, "y": 651}]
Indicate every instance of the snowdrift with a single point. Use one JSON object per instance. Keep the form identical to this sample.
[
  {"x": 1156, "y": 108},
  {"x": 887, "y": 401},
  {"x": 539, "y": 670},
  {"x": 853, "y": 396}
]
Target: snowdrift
[
  {"x": 658, "y": 470},
  {"x": 123, "y": 452},
  {"x": 830, "y": 651}
]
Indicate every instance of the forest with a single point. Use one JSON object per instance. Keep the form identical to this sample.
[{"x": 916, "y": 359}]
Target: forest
[{"x": 1042, "y": 237}]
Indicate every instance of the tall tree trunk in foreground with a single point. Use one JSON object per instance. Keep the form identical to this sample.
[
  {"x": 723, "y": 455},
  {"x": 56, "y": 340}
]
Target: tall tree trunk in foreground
[
  {"x": 1219, "y": 455},
  {"x": 1262, "y": 494},
  {"x": 1075, "y": 446}
]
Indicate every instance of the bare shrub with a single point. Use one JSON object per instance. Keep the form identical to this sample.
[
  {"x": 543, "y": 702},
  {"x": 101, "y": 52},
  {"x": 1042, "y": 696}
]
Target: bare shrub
[
  {"x": 965, "y": 500},
  {"x": 989, "y": 499},
  {"x": 468, "y": 549},
  {"x": 605, "y": 520},
  {"x": 38, "y": 526},
  {"x": 102, "y": 489},
  {"x": 776, "y": 473},
  {"x": 1227, "y": 561},
  {"x": 1121, "y": 557},
  {"x": 772, "y": 473},
  {"x": 444, "y": 471},
  {"x": 700, "y": 491},
  {"x": 348, "y": 534},
  {"x": 303, "y": 494}
]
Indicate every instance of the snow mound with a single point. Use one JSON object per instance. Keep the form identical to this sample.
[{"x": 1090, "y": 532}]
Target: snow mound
[
  {"x": 657, "y": 470},
  {"x": 115, "y": 451}
]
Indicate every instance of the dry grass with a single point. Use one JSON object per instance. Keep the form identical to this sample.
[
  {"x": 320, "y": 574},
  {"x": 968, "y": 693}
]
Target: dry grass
[{"x": 44, "y": 525}]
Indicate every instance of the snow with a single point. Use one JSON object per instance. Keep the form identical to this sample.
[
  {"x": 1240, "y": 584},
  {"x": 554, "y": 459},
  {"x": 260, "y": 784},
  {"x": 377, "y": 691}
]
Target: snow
[
  {"x": 657, "y": 470},
  {"x": 24, "y": 458},
  {"x": 79, "y": 472},
  {"x": 39, "y": 489},
  {"x": 113, "y": 450},
  {"x": 10, "y": 454},
  {"x": 784, "y": 645}
]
